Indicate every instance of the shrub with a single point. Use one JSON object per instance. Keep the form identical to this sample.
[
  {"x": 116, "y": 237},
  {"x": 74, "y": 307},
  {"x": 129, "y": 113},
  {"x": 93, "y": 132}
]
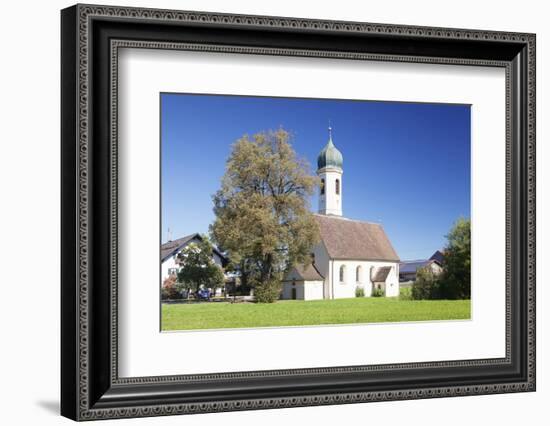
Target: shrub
[
  {"x": 268, "y": 291},
  {"x": 405, "y": 293},
  {"x": 359, "y": 292},
  {"x": 169, "y": 289},
  {"x": 426, "y": 285},
  {"x": 377, "y": 292}
]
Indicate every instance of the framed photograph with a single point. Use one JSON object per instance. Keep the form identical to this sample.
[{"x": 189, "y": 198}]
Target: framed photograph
[{"x": 263, "y": 212}]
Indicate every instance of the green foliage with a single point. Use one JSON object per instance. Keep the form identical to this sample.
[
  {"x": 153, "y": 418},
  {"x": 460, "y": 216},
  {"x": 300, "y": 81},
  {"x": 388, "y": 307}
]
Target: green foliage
[
  {"x": 359, "y": 292},
  {"x": 405, "y": 293},
  {"x": 456, "y": 277},
  {"x": 198, "y": 267},
  {"x": 426, "y": 285},
  {"x": 262, "y": 212},
  {"x": 454, "y": 281},
  {"x": 377, "y": 292},
  {"x": 268, "y": 291}
]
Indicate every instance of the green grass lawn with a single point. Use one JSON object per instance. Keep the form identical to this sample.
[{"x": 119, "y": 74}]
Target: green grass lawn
[{"x": 316, "y": 312}]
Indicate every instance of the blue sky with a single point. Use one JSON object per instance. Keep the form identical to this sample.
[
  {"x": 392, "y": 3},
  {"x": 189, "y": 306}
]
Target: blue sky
[{"x": 406, "y": 165}]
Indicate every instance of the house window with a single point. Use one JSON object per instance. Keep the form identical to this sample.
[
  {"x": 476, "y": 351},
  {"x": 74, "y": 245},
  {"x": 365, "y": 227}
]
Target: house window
[
  {"x": 172, "y": 271},
  {"x": 322, "y": 187},
  {"x": 337, "y": 186},
  {"x": 358, "y": 274},
  {"x": 342, "y": 273}
]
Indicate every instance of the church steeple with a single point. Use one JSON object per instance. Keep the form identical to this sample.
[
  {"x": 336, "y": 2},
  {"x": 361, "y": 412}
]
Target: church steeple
[
  {"x": 329, "y": 156},
  {"x": 329, "y": 169}
]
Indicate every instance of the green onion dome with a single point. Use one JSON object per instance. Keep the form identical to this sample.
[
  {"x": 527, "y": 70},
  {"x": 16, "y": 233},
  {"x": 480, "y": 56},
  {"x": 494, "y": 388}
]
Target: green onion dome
[{"x": 329, "y": 156}]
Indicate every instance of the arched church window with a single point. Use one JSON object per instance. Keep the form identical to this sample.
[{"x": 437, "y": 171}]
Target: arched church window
[
  {"x": 337, "y": 186},
  {"x": 358, "y": 274},
  {"x": 342, "y": 273},
  {"x": 322, "y": 187}
]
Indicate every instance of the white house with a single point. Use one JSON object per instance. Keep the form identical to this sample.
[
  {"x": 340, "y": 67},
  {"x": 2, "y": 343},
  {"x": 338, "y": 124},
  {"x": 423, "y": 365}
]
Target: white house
[
  {"x": 351, "y": 254},
  {"x": 170, "y": 264}
]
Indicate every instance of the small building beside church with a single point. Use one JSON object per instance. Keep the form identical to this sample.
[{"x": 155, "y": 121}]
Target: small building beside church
[
  {"x": 303, "y": 283},
  {"x": 351, "y": 254}
]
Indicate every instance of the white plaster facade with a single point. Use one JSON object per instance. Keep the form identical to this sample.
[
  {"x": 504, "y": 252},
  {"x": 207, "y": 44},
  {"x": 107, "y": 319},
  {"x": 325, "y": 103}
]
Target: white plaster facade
[
  {"x": 362, "y": 249},
  {"x": 302, "y": 290},
  {"x": 303, "y": 284},
  {"x": 330, "y": 196},
  {"x": 169, "y": 264},
  {"x": 333, "y": 288}
]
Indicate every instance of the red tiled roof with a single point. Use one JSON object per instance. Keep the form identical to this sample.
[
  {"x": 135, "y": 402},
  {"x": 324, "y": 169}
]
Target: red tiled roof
[{"x": 355, "y": 240}]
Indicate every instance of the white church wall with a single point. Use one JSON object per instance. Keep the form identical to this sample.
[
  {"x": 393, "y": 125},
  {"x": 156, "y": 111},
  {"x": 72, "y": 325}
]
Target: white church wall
[
  {"x": 322, "y": 263},
  {"x": 313, "y": 290},
  {"x": 305, "y": 290},
  {"x": 346, "y": 289}
]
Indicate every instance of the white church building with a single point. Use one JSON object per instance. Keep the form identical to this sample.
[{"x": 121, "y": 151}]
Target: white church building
[{"x": 351, "y": 254}]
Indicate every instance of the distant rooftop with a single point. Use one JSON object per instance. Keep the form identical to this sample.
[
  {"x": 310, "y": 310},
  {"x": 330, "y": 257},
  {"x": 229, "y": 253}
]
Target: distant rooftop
[{"x": 411, "y": 266}]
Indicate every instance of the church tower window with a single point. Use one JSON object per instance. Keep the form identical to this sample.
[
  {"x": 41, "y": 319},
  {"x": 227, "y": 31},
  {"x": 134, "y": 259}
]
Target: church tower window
[{"x": 329, "y": 170}]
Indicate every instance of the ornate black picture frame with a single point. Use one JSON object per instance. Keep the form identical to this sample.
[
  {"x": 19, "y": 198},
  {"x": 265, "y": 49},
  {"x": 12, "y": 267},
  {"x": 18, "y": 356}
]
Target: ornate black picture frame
[{"x": 91, "y": 37}]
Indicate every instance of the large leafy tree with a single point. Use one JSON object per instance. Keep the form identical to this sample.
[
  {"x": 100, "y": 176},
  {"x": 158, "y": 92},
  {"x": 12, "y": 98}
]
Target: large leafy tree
[
  {"x": 426, "y": 285},
  {"x": 262, "y": 210},
  {"x": 198, "y": 266},
  {"x": 456, "y": 278}
]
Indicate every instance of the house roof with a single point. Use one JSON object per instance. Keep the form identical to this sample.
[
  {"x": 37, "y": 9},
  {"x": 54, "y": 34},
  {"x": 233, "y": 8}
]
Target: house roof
[
  {"x": 354, "y": 240},
  {"x": 309, "y": 272},
  {"x": 438, "y": 256},
  {"x": 413, "y": 265},
  {"x": 381, "y": 274},
  {"x": 170, "y": 248}
]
